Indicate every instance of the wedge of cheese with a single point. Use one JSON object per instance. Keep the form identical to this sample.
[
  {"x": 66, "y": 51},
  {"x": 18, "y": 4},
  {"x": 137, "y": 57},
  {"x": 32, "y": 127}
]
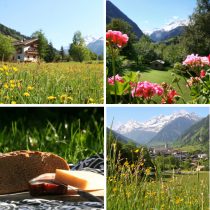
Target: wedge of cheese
[{"x": 84, "y": 180}]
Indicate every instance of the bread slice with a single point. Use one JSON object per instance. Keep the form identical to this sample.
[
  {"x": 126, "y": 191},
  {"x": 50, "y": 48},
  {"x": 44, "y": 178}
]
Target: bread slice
[{"x": 17, "y": 168}]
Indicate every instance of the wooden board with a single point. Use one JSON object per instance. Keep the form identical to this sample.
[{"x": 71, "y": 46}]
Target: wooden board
[{"x": 69, "y": 197}]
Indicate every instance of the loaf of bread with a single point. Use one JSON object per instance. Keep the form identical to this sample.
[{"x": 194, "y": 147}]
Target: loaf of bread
[{"x": 17, "y": 168}]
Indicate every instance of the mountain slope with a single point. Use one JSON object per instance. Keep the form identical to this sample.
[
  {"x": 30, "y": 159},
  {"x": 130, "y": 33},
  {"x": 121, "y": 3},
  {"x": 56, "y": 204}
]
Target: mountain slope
[
  {"x": 196, "y": 134},
  {"x": 96, "y": 46},
  {"x": 11, "y": 33},
  {"x": 172, "y": 131},
  {"x": 113, "y": 12},
  {"x": 173, "y": 29},
  {"x": 120, "y": 137}
]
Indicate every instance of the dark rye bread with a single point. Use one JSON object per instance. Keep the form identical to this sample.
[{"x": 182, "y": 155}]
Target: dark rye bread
[{"x": 17, "y": 168}]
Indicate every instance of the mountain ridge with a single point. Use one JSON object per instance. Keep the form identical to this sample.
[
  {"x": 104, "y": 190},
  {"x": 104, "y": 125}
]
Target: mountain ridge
[
  {"x": 171, "y": 30},
  {"x": 144, "y": 132},
  {"x": 113, "y": 12}
]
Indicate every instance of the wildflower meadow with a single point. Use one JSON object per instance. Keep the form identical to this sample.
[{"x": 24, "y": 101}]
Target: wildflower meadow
[{"x": 51, "y": 83}]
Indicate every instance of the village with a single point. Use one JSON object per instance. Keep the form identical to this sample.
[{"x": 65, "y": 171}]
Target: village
[{"x": 195, "y": 159}]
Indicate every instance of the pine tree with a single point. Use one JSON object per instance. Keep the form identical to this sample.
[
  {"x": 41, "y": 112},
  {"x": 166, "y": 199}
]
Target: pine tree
[
  {"x": 50, "y": 53},
  {"x": 62, "y": 54}
]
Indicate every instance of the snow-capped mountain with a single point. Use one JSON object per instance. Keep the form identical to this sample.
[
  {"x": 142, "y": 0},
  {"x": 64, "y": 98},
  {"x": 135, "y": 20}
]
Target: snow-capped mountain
[
  {"x": 174, "y": 28},
  {"x": 174, "y": 24},
  {"x": 96, "y": 45},
  {"x": 88, "y": 39},
  {"x": 143, "y": 132}
]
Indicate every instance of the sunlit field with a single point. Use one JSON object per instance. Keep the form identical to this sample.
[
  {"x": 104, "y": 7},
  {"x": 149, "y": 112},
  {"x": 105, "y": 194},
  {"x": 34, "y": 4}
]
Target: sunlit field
[{"x": 51, "y": 83}]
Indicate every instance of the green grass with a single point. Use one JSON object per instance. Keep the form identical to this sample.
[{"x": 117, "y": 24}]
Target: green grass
[
  {"x": 59, "y": 83},
  {"x": 159, "y": 76},
  {"x": 73, "y": 139},
  {"x": 181, "y": 192}
]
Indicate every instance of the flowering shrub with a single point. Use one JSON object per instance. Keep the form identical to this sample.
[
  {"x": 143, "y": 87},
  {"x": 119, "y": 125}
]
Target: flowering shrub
[{"x": 200, "y": 84}]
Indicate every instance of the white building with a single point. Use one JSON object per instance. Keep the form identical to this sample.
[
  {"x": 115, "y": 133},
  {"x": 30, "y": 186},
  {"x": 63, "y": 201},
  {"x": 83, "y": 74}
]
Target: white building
[{"x": 26, "y": 50}]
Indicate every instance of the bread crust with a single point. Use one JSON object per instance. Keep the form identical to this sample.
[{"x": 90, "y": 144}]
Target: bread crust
[{"x": 18, "y": 167}]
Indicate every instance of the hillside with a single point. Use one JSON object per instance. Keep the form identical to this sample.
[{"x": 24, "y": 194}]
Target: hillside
[
  {"x": 198, "y": 134},
  {"x": 113, "y": 12},
  {"x": 11, "y": 33},
  {"x": 172, "y": 131},
  {"x": 119, "y": 137}
]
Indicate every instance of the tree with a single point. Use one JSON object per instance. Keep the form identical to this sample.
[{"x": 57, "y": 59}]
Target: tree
[
  {"x": 78, "y": 51},
  {"x": 6, "y": 48},
  {"x": 42, "y": 43},
  {"x": 50, "y": 53},
  {"x": 197, "y": 36},
  {"x": 62, "y": 53},
  {"x": 144, "y": 50}
]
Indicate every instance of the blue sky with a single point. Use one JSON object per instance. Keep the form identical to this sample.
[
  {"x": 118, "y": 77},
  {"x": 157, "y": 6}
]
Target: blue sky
[
  {"x": 59, "y": 19},
  {"x": 150, "y": 14},
  {"x": 142, "y": 114}
]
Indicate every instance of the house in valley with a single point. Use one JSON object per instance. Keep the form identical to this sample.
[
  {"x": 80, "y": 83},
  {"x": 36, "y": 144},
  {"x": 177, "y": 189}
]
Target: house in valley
[
  {"x": 26, "y": 50},
  {"x": 157, "y": 64}
]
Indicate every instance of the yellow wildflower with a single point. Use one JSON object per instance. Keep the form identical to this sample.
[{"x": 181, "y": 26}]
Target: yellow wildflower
[
  {"x": 126, "y": 163},
  {"x": 114, "y": 189},
  {"x": 178, "y": 200},
  {"x": 26, "y": 94},
  {"x": 63, "y": 97},
  {"x": 6, "y": 86},
  {"x": 136, "y": 151},
  {"x": 13, "y": 102},
  {"x": 148, "y": 171},
  {"x": 29, "y": 88},
  {"x": 5, "y": 67},
  {"x": 14, "y": 69},
  {"x": 90, "y": 101},
  {"x": 12, "y": 85},
  {"x": 51, "y": 98},
  {"x": 12, "y": 81}
]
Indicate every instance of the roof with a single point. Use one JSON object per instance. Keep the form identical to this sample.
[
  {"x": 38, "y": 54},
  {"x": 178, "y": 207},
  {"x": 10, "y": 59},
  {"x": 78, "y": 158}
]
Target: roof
[
  {"x": 25, "y": 42},
  {"x": 158, "y": 61}
]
